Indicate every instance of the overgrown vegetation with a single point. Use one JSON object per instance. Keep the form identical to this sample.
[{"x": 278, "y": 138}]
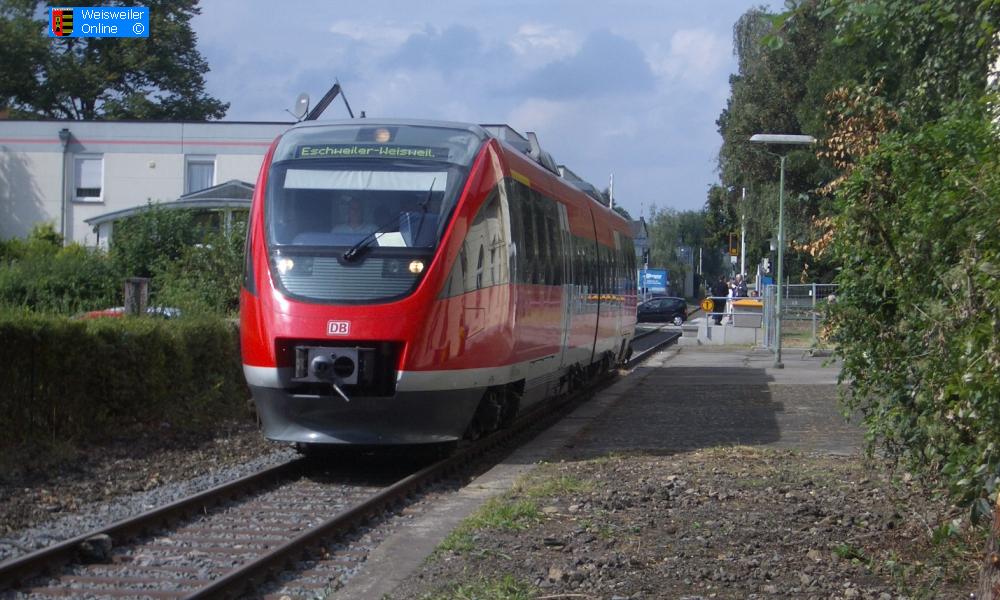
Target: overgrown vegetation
[
  {"x": 916, "y": 317},
  {"x": 38, "y": 273},
  {"x": 901, "y": 202},
  {"x": 195, "y": 270}
]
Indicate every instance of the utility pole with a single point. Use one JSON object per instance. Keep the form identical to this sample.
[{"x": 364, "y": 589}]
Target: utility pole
[{"x": 743, "y": 233}]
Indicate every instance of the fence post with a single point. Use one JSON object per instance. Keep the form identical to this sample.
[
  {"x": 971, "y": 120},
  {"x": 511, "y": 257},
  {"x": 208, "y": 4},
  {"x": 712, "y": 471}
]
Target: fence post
[{"x": 136, "y": 295}]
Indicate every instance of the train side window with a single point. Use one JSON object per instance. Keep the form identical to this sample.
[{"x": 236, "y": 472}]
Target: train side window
[
  {"x": 531, "y": 233},
  {"x": 516, "y": 216},
  {"x": 555, "y": 242}
]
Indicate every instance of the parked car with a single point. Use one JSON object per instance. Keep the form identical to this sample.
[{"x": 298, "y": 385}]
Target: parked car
[
  {"x": 666, "y": 310},
  {"x": 165, "y": 312}
]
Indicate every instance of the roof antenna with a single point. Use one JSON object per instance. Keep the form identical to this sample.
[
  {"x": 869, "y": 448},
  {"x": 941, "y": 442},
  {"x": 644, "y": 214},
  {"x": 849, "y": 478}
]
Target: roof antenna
[{"x": 326, "y": 100}]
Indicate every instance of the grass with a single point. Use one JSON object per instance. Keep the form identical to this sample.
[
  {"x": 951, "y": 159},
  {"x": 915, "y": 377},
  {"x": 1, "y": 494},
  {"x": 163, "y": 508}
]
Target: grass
[
  {"x": 498, "y": 514},
  {"x": 505, "y": 588},
  {"x": 514, "y": 511},
  {"x": 550, "y": 487}
]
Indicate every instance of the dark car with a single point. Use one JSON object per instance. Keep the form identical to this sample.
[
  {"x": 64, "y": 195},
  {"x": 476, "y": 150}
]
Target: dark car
[{"x": 666, "y": 310}]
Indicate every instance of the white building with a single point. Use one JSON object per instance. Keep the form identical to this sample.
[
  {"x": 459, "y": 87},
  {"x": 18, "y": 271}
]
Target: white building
[{"x": 70, "y": 172}]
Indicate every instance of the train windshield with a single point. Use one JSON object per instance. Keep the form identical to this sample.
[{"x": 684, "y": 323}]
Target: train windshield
[{"x": 354, "y": 198}]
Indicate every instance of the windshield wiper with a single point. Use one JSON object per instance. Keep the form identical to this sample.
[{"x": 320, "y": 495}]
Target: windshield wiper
[{"x": 353, "y": 252}]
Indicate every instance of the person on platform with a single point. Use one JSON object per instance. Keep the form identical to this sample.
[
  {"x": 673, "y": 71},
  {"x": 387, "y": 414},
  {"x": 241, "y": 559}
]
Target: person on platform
[{"x": 719, "y": 291}]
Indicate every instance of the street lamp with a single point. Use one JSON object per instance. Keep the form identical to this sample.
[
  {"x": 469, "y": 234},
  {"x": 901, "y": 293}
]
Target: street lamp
[{"x": 781, "y": 140}]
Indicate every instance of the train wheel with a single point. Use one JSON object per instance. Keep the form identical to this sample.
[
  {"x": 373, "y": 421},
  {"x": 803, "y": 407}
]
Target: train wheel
[
  {"x": 488, "y": 414},
  {"x": 511, "y": 404}
]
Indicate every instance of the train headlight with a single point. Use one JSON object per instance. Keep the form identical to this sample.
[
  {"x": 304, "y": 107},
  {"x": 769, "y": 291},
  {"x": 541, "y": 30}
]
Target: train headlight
[
  {"x": 284, "y": 265},
  {"x": 416, "y": 267}
]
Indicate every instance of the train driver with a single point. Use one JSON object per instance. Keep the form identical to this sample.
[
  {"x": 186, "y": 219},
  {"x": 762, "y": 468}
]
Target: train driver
[{"x": 354, "y": 227}]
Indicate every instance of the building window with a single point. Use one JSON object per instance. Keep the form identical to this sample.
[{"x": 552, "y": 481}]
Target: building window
[
  {"x": 200, "y": 173},
  {"x": 88, "y": 175}
]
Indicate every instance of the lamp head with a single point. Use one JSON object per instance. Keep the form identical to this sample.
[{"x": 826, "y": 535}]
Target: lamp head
[{"x": 783, "y": 139}]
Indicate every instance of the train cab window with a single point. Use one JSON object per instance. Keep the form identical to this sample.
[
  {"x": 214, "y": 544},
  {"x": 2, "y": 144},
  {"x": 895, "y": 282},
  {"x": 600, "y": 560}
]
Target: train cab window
[{"x": 334, "y": 188}]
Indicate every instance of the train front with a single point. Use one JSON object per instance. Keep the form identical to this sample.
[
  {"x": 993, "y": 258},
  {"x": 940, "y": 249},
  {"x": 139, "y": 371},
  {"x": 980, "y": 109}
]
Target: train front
[{"x": 342, "y": 269}]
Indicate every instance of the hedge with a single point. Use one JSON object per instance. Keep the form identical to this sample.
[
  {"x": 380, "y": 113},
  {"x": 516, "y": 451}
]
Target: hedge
[{"x": 65, "y": 379}]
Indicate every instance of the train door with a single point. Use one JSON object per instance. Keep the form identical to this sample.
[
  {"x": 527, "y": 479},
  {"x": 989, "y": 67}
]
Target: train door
[{"x": 593, "y": 278}]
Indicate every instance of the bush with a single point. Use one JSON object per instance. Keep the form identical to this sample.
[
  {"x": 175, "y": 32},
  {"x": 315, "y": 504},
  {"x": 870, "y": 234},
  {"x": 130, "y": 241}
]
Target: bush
[
  {"x": 206, "y": 278},
  {"x": 143, "y": 242},
  {"x": 916, "y": 314},
  {"x": 40, "y": 274},
  {"x": 84, "y": 380}
]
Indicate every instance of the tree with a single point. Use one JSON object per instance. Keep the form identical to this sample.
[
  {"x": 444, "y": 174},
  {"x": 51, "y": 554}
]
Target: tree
[
  {"x": 159, "y": 77},
  {"x": 771, "y": 93},
  {"x": 621, "y": 210}
]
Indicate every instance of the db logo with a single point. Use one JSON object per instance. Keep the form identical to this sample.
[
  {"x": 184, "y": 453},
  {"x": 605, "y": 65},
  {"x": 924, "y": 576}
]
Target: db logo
[{"x": 338, "y": 328}]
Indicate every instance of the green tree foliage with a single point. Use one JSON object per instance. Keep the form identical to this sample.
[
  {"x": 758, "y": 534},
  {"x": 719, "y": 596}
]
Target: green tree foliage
[
  {"x": 916, "y": 313},
  {"x": 622, "y": 211},
  {"x": 143, "y": 242},
  {"x": 668, "y": 230},
  {"x": 927, "y": 54},
  {"x": 207, "y": 277},
  {"x": 770, "y": 93},
  {"x": 159, "y": 77}
]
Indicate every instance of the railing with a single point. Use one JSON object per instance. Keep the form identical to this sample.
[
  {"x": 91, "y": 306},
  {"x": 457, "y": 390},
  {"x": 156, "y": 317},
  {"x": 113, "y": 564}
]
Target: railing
[{"x": 802, "y": 307}]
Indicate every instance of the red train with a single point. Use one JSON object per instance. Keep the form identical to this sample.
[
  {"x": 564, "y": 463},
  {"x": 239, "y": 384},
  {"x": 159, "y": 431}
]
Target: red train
[{"x": 419, "y": 281}]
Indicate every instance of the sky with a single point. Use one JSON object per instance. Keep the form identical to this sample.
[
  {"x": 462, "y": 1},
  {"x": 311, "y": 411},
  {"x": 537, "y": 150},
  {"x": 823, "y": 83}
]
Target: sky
[{"x": 631, "y": 87}]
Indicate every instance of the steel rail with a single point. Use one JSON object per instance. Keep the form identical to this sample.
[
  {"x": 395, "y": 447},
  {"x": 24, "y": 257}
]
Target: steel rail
[
  {"x": 250, "y": 575},
  {"x": 22, "y": 568},
  {"x": 669, "y": 338}
]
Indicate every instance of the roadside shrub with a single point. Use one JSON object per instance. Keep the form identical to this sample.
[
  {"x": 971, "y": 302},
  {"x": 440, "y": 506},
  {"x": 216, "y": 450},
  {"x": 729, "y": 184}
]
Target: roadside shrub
[
  {"x": 69, "y": 379},
  {"x": 916, "y": 313}
]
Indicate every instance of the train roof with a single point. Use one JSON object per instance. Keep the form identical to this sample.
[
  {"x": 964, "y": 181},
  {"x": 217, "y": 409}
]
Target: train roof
[{"x": 527, "y": 145}]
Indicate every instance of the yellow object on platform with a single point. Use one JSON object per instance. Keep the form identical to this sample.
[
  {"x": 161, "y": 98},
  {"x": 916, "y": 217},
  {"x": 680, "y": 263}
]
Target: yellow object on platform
[{"x": 748, "y": 303}]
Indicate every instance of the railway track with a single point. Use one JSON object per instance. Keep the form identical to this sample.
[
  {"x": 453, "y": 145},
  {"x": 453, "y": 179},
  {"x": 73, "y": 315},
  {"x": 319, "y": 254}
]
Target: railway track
[{"x": 230, "y": 540}]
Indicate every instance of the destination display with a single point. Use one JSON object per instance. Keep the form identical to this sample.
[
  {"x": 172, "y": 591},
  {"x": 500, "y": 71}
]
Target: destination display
[{"x": 369, "y": 151}]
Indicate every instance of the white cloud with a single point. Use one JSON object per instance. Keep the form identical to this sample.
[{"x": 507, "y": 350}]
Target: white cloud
[
  {"x": 695, "y": 56},
  {"x": 384, "y": 33},
  {"x": 536, "y": 44}
]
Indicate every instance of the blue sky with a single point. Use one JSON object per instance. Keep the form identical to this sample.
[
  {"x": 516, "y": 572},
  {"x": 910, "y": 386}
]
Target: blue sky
[{"x": 632, "y": 87}]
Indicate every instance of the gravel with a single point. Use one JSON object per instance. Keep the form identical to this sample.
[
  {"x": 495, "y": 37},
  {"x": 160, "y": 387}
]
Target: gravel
[
  {"x": 41, "y": 504},
  {"x": 732, "y": 522}
]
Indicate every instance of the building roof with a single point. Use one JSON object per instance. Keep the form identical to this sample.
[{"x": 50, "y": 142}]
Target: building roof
[
  {"x": 639, "y": 228},
  {"x": 231, "y": 194}
]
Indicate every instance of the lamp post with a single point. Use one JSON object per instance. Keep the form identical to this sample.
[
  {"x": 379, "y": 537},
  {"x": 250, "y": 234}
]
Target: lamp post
[{"x": 781, "y": 140}]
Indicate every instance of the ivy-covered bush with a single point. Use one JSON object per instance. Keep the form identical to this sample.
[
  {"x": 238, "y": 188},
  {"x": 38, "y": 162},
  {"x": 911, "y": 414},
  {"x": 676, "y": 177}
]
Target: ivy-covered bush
[
  {"x": 917, "y": 317},
  {"x": 68, "y": 379}
]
